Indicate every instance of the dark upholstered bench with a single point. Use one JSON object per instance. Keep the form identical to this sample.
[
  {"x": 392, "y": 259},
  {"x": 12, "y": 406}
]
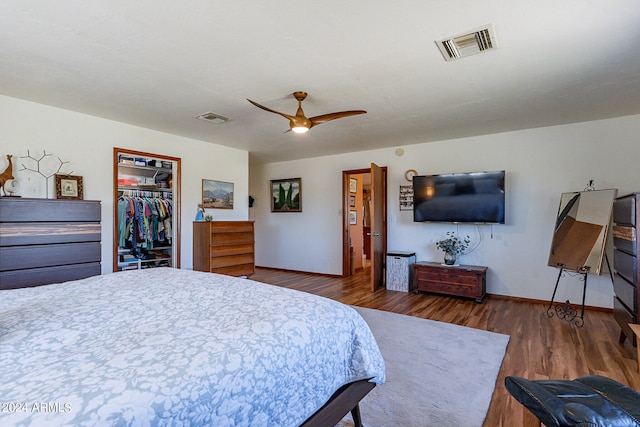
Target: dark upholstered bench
[{"x": 586, "y": 401}]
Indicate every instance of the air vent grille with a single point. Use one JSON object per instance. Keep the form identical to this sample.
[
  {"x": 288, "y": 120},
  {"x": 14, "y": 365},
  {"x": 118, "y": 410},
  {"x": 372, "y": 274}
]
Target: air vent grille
[
  {"x": 212, "y": 117},
  {"x": 467, "y": 44}
]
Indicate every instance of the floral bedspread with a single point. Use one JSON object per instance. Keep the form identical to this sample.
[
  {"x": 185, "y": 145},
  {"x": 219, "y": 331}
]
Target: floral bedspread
[{"x": 168, "y": 347}]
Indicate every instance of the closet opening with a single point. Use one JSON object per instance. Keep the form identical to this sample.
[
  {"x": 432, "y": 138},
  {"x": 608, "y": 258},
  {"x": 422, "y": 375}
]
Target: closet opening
[{"x": 146, "y": 210}]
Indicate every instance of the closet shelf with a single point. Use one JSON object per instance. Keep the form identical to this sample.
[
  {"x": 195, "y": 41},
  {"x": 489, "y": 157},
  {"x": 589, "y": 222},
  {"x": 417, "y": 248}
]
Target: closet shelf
[
  {"x": 122, "y": 251},
  {"x": 144, "y": 188},
  {"x": 144, "y": 168}
]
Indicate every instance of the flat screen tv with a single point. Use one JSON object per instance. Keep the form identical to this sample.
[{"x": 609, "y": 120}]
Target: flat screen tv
[{"x": 475, "y": 197}]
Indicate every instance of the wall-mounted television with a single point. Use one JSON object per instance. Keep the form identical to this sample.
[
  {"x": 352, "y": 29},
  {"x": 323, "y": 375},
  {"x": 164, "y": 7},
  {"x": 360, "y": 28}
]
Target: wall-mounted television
[{"x": 475, "y": 197}]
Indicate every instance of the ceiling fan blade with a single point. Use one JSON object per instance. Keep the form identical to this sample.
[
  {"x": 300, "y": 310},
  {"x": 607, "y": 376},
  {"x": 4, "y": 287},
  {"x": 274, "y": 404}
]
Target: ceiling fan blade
[
  {"x": 286, "y": 116},
  {"x": 317, "y": 120}
]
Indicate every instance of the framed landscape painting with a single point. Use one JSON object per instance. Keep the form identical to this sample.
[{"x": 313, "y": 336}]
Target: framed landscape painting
[
  {"x": 286, "y": 195},
  {"x": 217, "y": 194}
]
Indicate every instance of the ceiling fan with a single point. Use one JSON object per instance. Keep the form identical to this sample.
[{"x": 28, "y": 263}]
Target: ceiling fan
[{"x": 300, "y": 123}]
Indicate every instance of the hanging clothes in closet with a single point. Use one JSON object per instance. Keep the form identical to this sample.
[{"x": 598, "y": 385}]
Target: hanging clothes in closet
[{"x": 144, "y": 219}]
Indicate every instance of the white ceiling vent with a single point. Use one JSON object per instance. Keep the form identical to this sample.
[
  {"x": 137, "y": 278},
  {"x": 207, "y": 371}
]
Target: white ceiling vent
[
  {"x": 469, "y": 43},
  {"x": 214, "y": 118}
]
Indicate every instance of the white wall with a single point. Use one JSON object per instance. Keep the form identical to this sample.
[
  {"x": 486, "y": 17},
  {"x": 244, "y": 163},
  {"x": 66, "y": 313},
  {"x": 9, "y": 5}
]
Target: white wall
[
  {"x": 87, "y": 142},
  {"x": 540, "y": 164}
]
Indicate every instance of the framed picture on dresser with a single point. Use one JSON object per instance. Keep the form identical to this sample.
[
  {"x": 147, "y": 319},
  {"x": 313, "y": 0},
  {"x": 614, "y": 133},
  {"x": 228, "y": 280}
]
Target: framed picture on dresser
[{"x": 69, "y": 187}]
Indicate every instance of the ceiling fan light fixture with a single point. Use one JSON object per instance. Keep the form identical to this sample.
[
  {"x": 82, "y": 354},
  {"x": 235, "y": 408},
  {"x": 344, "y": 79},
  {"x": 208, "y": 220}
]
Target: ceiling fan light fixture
[{"x": 301, "y": 123}]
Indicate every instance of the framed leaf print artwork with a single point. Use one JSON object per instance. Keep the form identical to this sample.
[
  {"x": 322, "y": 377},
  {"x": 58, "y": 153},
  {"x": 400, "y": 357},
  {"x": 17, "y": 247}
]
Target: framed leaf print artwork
[{"x": 286, "y": 195}]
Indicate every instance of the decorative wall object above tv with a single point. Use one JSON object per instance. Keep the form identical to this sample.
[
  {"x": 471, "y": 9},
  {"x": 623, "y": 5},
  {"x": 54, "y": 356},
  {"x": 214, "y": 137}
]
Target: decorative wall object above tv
[{"x": 475, "y": 197}]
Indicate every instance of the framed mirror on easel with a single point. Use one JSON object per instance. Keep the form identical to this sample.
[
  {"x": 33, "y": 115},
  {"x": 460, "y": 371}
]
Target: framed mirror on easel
[
  {"x": 581, "y": 229},
  {"x": 579, "y": 242}
]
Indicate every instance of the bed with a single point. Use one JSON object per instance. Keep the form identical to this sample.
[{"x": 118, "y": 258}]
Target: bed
[{"x": 175, "y": 347}]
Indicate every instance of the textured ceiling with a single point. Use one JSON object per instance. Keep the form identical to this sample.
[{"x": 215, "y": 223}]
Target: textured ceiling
[{"x": 157, "y": 64}]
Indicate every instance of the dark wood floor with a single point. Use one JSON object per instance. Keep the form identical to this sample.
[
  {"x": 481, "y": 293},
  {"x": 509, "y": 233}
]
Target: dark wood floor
[{"x": 539, "y": 348}]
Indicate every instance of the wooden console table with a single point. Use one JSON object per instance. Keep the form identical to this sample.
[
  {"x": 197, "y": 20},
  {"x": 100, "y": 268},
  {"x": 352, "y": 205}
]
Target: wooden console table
[{"x": 468, "y": 281}]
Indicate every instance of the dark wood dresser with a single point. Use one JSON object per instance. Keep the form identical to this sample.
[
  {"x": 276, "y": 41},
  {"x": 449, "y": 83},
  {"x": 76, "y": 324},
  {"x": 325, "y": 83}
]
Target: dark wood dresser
[
  {"x": 225, "y": 247},
  {"x": 468, "y": 281},
  {"x": 626, "y": 218},
  {"x": 45, "y": 241}
]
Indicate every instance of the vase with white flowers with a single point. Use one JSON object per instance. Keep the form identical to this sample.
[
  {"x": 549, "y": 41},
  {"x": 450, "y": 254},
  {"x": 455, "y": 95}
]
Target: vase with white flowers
[{"x": 452, "y": 246}]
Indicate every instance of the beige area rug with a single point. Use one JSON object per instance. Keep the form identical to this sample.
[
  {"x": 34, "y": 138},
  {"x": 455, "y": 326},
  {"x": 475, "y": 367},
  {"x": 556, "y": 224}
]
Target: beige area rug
[{"x": 438, "y": 374}]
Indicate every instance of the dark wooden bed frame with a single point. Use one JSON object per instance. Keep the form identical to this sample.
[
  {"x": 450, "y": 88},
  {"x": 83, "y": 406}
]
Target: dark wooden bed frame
[{"x": 345, "y": 399}]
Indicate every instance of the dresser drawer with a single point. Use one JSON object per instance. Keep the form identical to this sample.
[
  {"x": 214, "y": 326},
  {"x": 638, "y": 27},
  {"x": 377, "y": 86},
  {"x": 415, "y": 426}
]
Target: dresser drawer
[
  {"x": 624, "y": 210},
  {"x": 44, "y": 233},
  {"x": 223, "y": 227},
  {"x": 228, "y": 250},
  {"x": 34, "y": 256},
  {"x": 624, "y": 238},
  {"x": 625, "y": 292},
  {"x": 228, "y": 261},
  {"x": 626, "y": 265},
  {"x": 48, "y": 210},
  {"x": 470, "y": 290},
  {"x": 47, "y": 275},
  {"x": 221, "y": 239},
  {"x": 458, "y": 276},
  {"x": 236, "y": 270}
]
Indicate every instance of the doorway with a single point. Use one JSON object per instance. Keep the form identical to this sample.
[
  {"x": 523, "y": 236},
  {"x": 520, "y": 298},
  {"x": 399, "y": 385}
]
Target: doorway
[{"x": 364, "y": 222}]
